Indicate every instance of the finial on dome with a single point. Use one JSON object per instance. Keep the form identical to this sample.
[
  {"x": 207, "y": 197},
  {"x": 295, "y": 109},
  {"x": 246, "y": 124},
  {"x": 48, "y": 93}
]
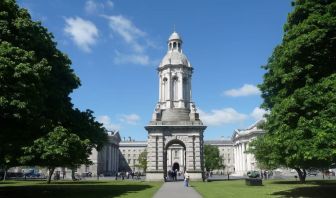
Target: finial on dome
[{"x": 175, "y": 36}]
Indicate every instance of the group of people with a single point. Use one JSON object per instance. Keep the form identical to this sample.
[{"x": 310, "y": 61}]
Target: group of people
[
  {"x": 172, "y": 176},
  {"x": 127, "y": 175},
  {"x": 266, "y": 174}
]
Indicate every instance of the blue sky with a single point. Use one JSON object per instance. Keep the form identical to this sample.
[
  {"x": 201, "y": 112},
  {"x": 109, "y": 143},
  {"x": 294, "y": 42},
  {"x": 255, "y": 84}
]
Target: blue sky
[{"x": 116, "y": 45}]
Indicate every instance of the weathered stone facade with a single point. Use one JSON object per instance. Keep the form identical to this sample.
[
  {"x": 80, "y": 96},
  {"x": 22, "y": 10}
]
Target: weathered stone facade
[{"x": 175, "y": 120}]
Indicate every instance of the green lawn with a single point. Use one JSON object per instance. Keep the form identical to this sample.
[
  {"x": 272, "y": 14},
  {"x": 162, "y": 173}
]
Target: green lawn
[
  {"x": 283, "y": 188},
  {"x": 80, "y": 189}
]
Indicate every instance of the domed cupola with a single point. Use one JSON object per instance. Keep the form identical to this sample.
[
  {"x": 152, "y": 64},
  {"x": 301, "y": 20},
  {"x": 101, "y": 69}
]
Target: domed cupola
[
  {"x": 174, "y": 54},
  {"x": 175, "y": 72}
]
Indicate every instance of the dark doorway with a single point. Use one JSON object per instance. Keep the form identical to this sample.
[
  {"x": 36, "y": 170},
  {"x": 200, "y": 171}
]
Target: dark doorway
[{"x": 176, "y": 166}]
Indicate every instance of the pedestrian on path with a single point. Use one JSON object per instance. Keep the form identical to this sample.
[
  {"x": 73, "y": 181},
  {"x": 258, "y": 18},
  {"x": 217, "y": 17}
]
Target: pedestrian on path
[{"x": 186, "y": 179}]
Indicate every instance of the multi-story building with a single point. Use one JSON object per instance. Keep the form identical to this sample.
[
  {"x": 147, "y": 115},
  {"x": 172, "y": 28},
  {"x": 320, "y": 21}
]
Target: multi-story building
[
  {"x": 225, "y": 148},
  {"x": 233, "y": 152},
  {"x": 129, "y": 155}
]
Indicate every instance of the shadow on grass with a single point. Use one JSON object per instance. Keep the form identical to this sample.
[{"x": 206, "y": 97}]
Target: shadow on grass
[
  {"x": 309, "y": 192},
  {"x": 71, "y": 190},
  {"x": 314, "y": 182}
]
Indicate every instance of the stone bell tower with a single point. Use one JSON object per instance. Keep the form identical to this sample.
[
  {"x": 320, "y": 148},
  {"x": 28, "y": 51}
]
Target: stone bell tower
[{"x": 175, "y": 120}]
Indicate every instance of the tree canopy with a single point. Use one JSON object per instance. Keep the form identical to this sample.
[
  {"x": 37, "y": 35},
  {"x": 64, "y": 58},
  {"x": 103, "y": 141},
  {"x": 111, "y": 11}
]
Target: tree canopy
[
  {"x": 299, "y": 91},
  {"x": 212, "y": 158},
  {"x": 58, "y": 148},
  {"x": 142, "y": 161},
  {"x": 35, "y": 82}
]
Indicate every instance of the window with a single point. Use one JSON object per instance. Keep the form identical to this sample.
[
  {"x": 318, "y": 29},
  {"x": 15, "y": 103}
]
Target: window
[
  {"x": 175, "y": 87},
  {"x": 185, "y": 89},
  {"x": 165, "y": 89},
  {"x": 174, "y": 45},
  {"x": 129, "y": 161}
]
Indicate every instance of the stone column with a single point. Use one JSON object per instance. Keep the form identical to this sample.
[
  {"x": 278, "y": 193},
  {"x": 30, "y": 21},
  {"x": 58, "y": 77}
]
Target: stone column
[
  {"x": 240, "y": 158},
  {"x": 151, "y": 156},
  {"x": 236, "y": 158},
  {"x": 180, "y": 86},
  {"x": 112, "y": 158},
  {"x": 197, "y": 152},
  {"x": 160, "y": 146},
  {"x": 244, "y": 157},
  {"x": 248, "y": 158},
  {"x": 160, "y": 88},
  {"x": 190, "y": 154}
]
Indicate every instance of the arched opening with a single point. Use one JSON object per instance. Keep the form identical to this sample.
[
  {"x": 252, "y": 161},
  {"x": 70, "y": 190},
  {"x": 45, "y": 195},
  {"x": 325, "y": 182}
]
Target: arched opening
[
  {"x": 174, "y": 160},
  {"x": 185, "y": 89},
  {"x": 176, "y": 166},
  {"x": 175, "y": 88},
  {"x": 165, "y": 89}
]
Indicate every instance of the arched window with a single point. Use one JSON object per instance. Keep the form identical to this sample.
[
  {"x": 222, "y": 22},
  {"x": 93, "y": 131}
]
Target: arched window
[
  {"x": 179, "y": 45},
  {"x": 174, "y": 45},
  {"x": 164, "y": 89},
  {"x": 185, "y": 89},
  {"x": 170, "y": 46},
  {"x": 175, "y": 88}
]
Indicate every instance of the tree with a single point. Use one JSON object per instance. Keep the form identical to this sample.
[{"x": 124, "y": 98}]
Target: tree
[
  {"x": 58, "y": 148},
  {"x": 299, "y": 90},
  {"x": 35, "y": 82},
  {"x": 212, "y": 158},
  {"x": 142, "y": 160}
]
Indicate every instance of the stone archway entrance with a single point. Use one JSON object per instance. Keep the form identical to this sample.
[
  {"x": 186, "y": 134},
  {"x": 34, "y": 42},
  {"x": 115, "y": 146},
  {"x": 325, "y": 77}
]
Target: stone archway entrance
[
  {"x": 164, "y": 139},
  {"x": 176, "y": 166},
  {"x": 175, "y": 158}
]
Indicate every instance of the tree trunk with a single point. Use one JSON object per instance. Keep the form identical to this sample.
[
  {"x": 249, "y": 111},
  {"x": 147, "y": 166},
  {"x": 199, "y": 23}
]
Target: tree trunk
[
  {"x": 73, "y": 174},
  {"x": 5, "y": 173},
  {"x": 51, "y": 172},
  {"x": 302, "y": 174}
]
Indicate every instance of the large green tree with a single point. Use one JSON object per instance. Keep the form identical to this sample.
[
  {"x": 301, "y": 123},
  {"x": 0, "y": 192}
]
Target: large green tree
[
  {"x": 58, "y": 148},
  {"x": 212, "y": 158},
  {"x": 35, "y": 82},
  {"x": 299, "y": 90}
]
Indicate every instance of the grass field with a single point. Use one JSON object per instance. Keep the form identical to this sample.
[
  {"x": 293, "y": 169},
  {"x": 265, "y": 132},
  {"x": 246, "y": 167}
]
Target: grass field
[
  {"x": 271, "y": 188},
  {"x": 80, "y": 189}
]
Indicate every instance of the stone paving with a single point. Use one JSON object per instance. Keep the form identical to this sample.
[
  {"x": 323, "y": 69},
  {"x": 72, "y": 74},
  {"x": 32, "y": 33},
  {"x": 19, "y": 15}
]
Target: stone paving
[{"x": 176, "y": 190}]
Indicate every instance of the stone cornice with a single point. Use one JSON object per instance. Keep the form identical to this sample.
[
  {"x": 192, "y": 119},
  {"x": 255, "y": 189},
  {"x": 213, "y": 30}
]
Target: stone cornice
[{"x": 174, "y": 66}]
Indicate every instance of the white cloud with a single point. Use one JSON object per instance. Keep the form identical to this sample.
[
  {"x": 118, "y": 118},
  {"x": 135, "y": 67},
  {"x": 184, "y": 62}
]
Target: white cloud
[
  {"x": 224, "y": 116},
  {"x": 128, "y": 31},
  {"x": 106, "y": 121},
  {"x": 140, "y": 59},
  {"x": 245, "y": 90},
  {"x": 258, "y": 113},
  {"x": 83, "y": 32},
  {"x": 92, "y": 6},
  {"x": 131, "y": 118},
  {"x": 110, "y": 3}
]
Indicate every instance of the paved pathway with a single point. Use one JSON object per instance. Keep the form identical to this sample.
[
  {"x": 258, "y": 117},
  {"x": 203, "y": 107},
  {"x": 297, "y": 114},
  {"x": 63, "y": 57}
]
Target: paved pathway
[{"x": 176, "y": 190}]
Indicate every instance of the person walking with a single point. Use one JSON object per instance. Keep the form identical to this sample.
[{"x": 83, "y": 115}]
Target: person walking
[{"x": 186, "y": 179}]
